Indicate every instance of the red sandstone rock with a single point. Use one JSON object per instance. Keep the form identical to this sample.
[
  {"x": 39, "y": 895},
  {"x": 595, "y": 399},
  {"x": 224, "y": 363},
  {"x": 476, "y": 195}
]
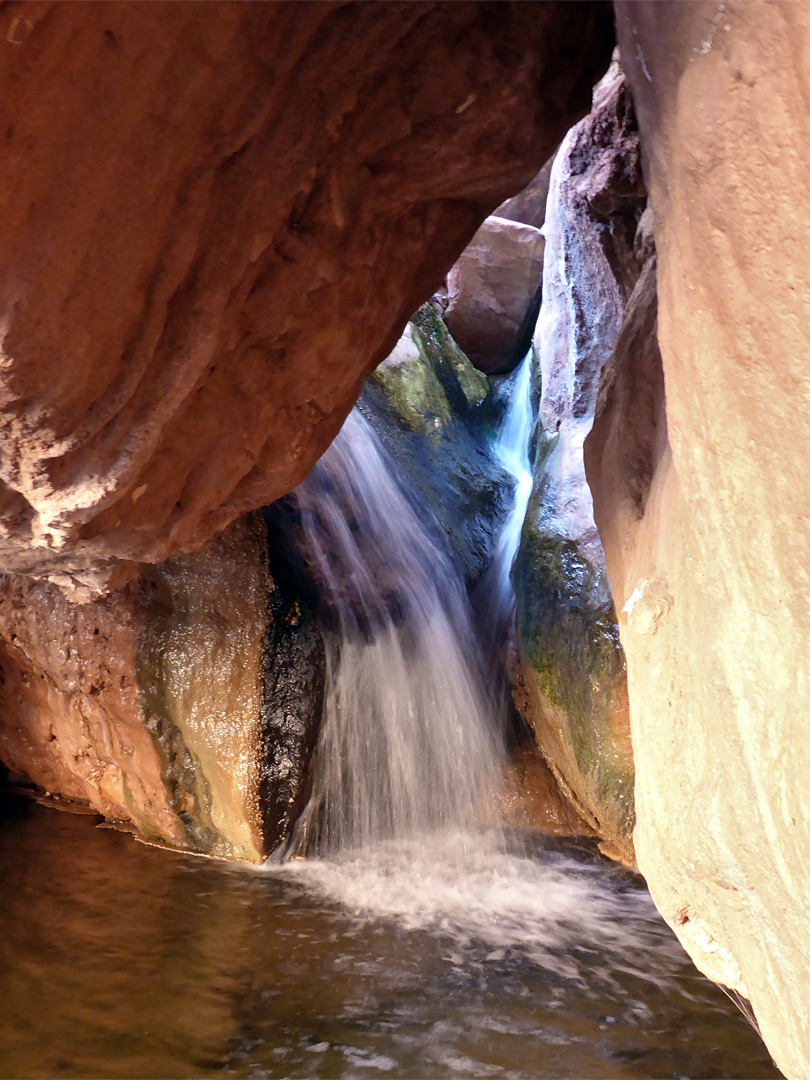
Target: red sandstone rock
[
  {"x": 215, "y": 219},
  {"x": 148, "y": 703}
]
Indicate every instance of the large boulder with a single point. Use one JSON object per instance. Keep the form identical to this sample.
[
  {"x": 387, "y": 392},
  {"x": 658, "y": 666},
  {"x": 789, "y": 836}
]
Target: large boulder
[
  {"x": 216, "y": 218},
  {"x": 491, "y": 290},
  {"x": 572, "y": 683},
  {"x": 701, "y": 493}
]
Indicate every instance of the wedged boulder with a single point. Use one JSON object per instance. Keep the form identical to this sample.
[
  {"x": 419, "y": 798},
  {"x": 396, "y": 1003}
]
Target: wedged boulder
[
  {"x": 215, "y": 219},
  {"x": 155, "y": 705},
  {"x": 493, "y": 294},
  {"x": 702, "y": 498},
  {"x": 572, "y": 670}
]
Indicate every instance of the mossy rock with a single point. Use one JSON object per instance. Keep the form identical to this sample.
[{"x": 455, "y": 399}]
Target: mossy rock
[
  {"x": 574, "y": 668},
  {"x": 437, "y": 417}
]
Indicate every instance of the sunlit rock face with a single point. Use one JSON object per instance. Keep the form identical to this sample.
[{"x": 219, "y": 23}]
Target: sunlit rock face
[
  {"x": 572, "y": 683},
  {"x": 215, "y": 219},
  {"x": 702, "y": 498}
]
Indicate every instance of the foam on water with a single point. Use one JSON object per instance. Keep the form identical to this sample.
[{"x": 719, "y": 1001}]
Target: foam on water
[{"x": 484, "y": 903}]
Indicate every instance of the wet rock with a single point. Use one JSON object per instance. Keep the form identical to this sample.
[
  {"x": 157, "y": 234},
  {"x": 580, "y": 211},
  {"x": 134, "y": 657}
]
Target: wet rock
[
  {"x": 294, "y": 680},
  {"x": 490, "y": 292},
  {"x": 199, "y": 667},
  {"x": 148, "y": 704},
  {"x": 571, "y": 660},
  {"x": 216, "y": 219},
  {"x": 437, "y": 417}
]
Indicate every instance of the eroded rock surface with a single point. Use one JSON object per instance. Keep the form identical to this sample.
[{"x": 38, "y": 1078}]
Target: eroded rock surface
[
  {"x": 703, "y": 505},
  {"x": 572, "y": 667},
  {"x": 148, "y": 704},
  {"x": 215, "y": 219}
]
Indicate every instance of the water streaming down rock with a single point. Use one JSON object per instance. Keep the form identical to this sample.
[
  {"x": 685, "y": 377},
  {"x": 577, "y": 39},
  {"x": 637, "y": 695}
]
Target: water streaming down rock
[
  {"x": 513, "y": 453},
  {"x": 408, "y": 745}
]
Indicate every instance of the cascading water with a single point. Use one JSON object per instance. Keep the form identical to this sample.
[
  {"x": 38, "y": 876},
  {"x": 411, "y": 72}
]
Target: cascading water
[
  {"x": 513, "y": 453},
  {"x": 399, "y": 828},
  {"x": 494, "y": 598},
  {"x": 407, "y": 745},
  {"x": 450, "y": 953},
  {"x": 409, "y": 753}
]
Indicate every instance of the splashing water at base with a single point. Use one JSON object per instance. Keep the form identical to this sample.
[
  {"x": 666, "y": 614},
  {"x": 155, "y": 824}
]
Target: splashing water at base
[
  {"x": 407, "y": 754},
  {"x": 407, "y": 744},
  {"x": 561, "y": 914}
]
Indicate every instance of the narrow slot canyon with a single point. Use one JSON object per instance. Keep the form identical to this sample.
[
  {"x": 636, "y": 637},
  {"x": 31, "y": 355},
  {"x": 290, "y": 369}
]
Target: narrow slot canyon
[{"x": 403, "y": 539}]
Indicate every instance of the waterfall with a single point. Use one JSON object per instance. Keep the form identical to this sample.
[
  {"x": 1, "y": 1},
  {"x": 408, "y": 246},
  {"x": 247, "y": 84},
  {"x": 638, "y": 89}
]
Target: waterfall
[
  {"x": 409, "y": 754},
  {"x": 407, "y": 744},
  {"x": 513, "y": 453}
]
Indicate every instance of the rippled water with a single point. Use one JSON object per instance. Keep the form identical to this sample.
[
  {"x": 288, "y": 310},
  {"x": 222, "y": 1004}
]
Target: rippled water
[{"x": 117, "y": 960}]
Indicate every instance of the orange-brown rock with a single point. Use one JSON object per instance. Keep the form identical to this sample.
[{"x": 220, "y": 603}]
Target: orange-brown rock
[
  {"x": 215, "y": 218},
  {"x": 702, "y": 497},
  {"x": 147, "y": 703}
]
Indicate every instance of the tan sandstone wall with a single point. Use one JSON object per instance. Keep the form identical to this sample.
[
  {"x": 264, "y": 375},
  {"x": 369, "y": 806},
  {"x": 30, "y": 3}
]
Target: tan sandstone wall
[{"x": 706, "y": 529}]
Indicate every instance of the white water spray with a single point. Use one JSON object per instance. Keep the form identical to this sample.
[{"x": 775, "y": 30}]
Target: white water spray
[
  {"x": 408, "y": 753},
  {"x": 407, "y": 745}
]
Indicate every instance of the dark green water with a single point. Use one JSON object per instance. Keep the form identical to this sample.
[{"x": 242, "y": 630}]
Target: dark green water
[{"x": 117, "y": 960}]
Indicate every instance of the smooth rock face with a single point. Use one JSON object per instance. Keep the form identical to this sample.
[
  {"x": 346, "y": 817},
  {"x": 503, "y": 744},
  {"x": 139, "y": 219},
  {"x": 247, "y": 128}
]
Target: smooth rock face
[
  {"x": 148, "y": 703},
  {"x": 490, "y": 290},
  {"x": 709, "y": 567},
  {"x": 572, "y": 674},
  {"x": 215, "y": 219}
]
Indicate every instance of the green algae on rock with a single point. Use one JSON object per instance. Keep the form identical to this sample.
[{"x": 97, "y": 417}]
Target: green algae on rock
[
  {"x": 436, "y": 415},
  {"x": 573, "y": 676}
]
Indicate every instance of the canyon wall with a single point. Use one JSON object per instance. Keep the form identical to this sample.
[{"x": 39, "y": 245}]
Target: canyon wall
[
  {"x": 701, "y": 493},
  {"x": 215, "y": 220},
  {"x": 146, "y": 704},
  {"x": 572, "y": 684}
]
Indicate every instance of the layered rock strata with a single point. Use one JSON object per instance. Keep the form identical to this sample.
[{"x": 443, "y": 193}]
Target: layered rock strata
[
  {"x": 701, "y": 497},
  {"x": 215, "y": 220}
]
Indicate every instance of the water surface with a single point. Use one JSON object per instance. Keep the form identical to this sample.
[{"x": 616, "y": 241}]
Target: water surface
[{"x": 117, "y": 960}]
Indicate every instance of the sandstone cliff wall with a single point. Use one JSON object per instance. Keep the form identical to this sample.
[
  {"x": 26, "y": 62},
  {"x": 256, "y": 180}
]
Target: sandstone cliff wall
[{"x": 702, "y": 496}]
